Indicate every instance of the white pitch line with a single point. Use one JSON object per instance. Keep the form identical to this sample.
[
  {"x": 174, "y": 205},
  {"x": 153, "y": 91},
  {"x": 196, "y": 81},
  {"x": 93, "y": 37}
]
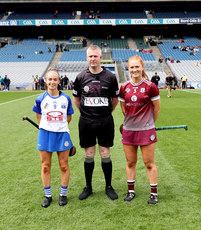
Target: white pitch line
[
  {"x": 190, "y": 91},
  {"x": 18, "y": 99}
]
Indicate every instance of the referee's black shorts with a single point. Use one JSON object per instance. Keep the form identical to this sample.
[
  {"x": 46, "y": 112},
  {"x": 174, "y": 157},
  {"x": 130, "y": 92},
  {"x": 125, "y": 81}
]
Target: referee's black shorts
[{"x": 92, "y": 129}]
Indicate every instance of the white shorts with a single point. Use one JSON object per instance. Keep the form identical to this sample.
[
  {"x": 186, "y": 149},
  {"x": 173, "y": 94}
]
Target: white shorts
[{"x": 53, "y": 141}]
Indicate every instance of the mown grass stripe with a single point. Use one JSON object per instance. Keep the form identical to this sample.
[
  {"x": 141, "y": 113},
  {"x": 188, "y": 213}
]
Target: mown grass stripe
[
  {"x": 190, "y": 91},
  {"x": 17, "y": 99}
]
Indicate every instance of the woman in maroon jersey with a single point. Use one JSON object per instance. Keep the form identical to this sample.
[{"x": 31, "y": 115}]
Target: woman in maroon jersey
[{"x": 140, "y": 103}]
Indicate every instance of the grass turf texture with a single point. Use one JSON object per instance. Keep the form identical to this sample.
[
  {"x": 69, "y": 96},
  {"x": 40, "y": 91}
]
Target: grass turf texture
[{"x": 177, "y": 157}]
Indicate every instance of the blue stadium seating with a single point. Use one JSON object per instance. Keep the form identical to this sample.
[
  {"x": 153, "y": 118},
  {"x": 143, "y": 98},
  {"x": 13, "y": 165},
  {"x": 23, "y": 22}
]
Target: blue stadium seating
[
  {"x": 73, "y": 55},
  {"x": 167, "y": 49},
  {"x": 114, "y": 43},
  {"x": 27, "y": 48},
  {"x": 176, "y": 14},
  {"x": 25, "y": 16},
  {"x": 111, "y": 15},
  {"x": 123, "y": 55}
]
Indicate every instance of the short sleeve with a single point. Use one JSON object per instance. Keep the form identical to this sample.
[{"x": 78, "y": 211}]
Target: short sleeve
[
  {"x": 37, "y": 108},
  {"x": 121, "y": 94},
  {"x": 76, "y": 89},
  {"x": 154, "y": 92},
  {"x": 115, "y": 88},
  {"x": 70, "y": 107}
]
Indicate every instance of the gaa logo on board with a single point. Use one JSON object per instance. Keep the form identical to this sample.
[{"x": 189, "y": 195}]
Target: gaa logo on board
[
  {"x": 27, "y": 22},
  {"x": 75, "y": 22},
  {"x": 139, "y": 21},
  {"x": 155, "y": 21},
  {"x": 107, "y": 21},
  {"x": 13, "y": 22},
  {"x": 91, "y": 22},
  {"x": 59, "y": 22}
]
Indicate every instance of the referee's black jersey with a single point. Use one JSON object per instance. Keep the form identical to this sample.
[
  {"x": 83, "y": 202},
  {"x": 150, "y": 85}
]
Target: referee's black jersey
[{"x": 95, "y": 91}]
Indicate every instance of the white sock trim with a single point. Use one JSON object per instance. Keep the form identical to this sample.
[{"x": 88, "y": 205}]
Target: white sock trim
[
  {"x": 155, "y": 194},
  {"x": 130, "y": 180},
  {"x": 153, "y": 184}
]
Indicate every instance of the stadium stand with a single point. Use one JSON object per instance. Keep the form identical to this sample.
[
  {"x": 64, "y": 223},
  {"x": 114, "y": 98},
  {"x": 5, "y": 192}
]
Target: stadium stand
[
  {"x": 20, "y": 70},
  {"x": 150, "y": 74},
  {"x": 123, "y": 55},
  {"x": 73, "y": 55},
  {"x": 72, "y": 69},
  {"x": 168, "y": 51},
  {"x": 176, "y": 14},
  {"x": 114, "y": 43},
  {"x": 27, "y": 48},
  {"x": 73, "y": 62},
  {"x": 72, "y": 46},
  {"x": 43, "y": 15},
  {"x": 112, "y": 15},
  {"x": 14, "y": 41},
  {"x": 140, "y": 43},
  {"x": 1, "y": 15},
  {"x": 21, "y": 73},
  {"x": 123, "y": 15},
  {"x": 192, "y": 69},
  {"x": 72, "y": 66}
]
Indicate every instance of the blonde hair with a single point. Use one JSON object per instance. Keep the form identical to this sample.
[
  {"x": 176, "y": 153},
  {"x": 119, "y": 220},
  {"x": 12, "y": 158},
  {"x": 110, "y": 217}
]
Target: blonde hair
[{"x": 138, "y": 58}]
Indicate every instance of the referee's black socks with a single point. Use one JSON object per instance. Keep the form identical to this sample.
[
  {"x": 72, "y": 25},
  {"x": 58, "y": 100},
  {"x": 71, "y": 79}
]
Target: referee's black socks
[
  {"x": 88, "y": 168},
  {"x": 107, "y": 169}
]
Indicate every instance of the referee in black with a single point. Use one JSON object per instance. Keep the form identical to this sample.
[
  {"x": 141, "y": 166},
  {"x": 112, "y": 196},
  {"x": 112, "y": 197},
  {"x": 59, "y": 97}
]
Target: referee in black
[
  {"x": 155, "y": 79},
  {"x": 95, "y": 94}
]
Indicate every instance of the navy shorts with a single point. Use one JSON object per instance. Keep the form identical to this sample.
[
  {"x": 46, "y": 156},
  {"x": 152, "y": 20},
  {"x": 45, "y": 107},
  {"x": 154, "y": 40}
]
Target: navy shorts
[
  {"x": 92, "y": 129},
  {"x": 53, "y": 141}
]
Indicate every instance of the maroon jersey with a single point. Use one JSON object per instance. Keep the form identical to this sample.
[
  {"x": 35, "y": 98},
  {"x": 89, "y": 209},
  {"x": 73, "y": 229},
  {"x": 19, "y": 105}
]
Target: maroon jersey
[{"x": 138, "y": 99}]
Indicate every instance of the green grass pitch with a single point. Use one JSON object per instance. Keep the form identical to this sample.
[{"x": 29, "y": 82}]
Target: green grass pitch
[{"x": 177, "y": 156}]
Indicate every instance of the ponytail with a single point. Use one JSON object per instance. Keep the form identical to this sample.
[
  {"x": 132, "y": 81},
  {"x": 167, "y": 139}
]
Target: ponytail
[{"x": 145, "y": 75}]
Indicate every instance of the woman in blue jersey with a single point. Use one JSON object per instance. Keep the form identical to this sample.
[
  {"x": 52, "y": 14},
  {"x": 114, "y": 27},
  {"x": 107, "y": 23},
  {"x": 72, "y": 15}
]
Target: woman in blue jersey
[{"x": 53, "y": 111}]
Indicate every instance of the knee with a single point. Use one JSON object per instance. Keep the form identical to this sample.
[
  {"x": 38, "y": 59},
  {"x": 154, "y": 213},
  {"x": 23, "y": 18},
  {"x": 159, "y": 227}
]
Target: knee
[
  {"x": 104, "y": 152},
  {"x": 46, "y": 168},
  {"x": 64, "y": 167},
  {"x": 105, "y": 155},
  {"x": 131, "y": 164},
  {"x": 89, "y": 153},
  {"x": 149, "y": 165}
]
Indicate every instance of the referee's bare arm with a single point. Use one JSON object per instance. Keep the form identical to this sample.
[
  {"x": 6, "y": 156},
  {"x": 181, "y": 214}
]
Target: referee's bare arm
[
  {"x": 114, "y": 102},
  {"x": 76, "y": 101},
  {"x": 156, "y": 108}
]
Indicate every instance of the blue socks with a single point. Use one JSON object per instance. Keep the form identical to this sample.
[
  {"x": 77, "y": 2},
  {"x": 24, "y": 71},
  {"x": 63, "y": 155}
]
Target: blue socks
[
  {"x": 63, "y": 190},
  {"x": 47, "y": 191}
]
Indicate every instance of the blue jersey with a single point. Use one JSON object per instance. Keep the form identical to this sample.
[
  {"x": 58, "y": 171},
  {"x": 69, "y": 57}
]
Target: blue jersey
[{"x": 54, "y": 111}]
